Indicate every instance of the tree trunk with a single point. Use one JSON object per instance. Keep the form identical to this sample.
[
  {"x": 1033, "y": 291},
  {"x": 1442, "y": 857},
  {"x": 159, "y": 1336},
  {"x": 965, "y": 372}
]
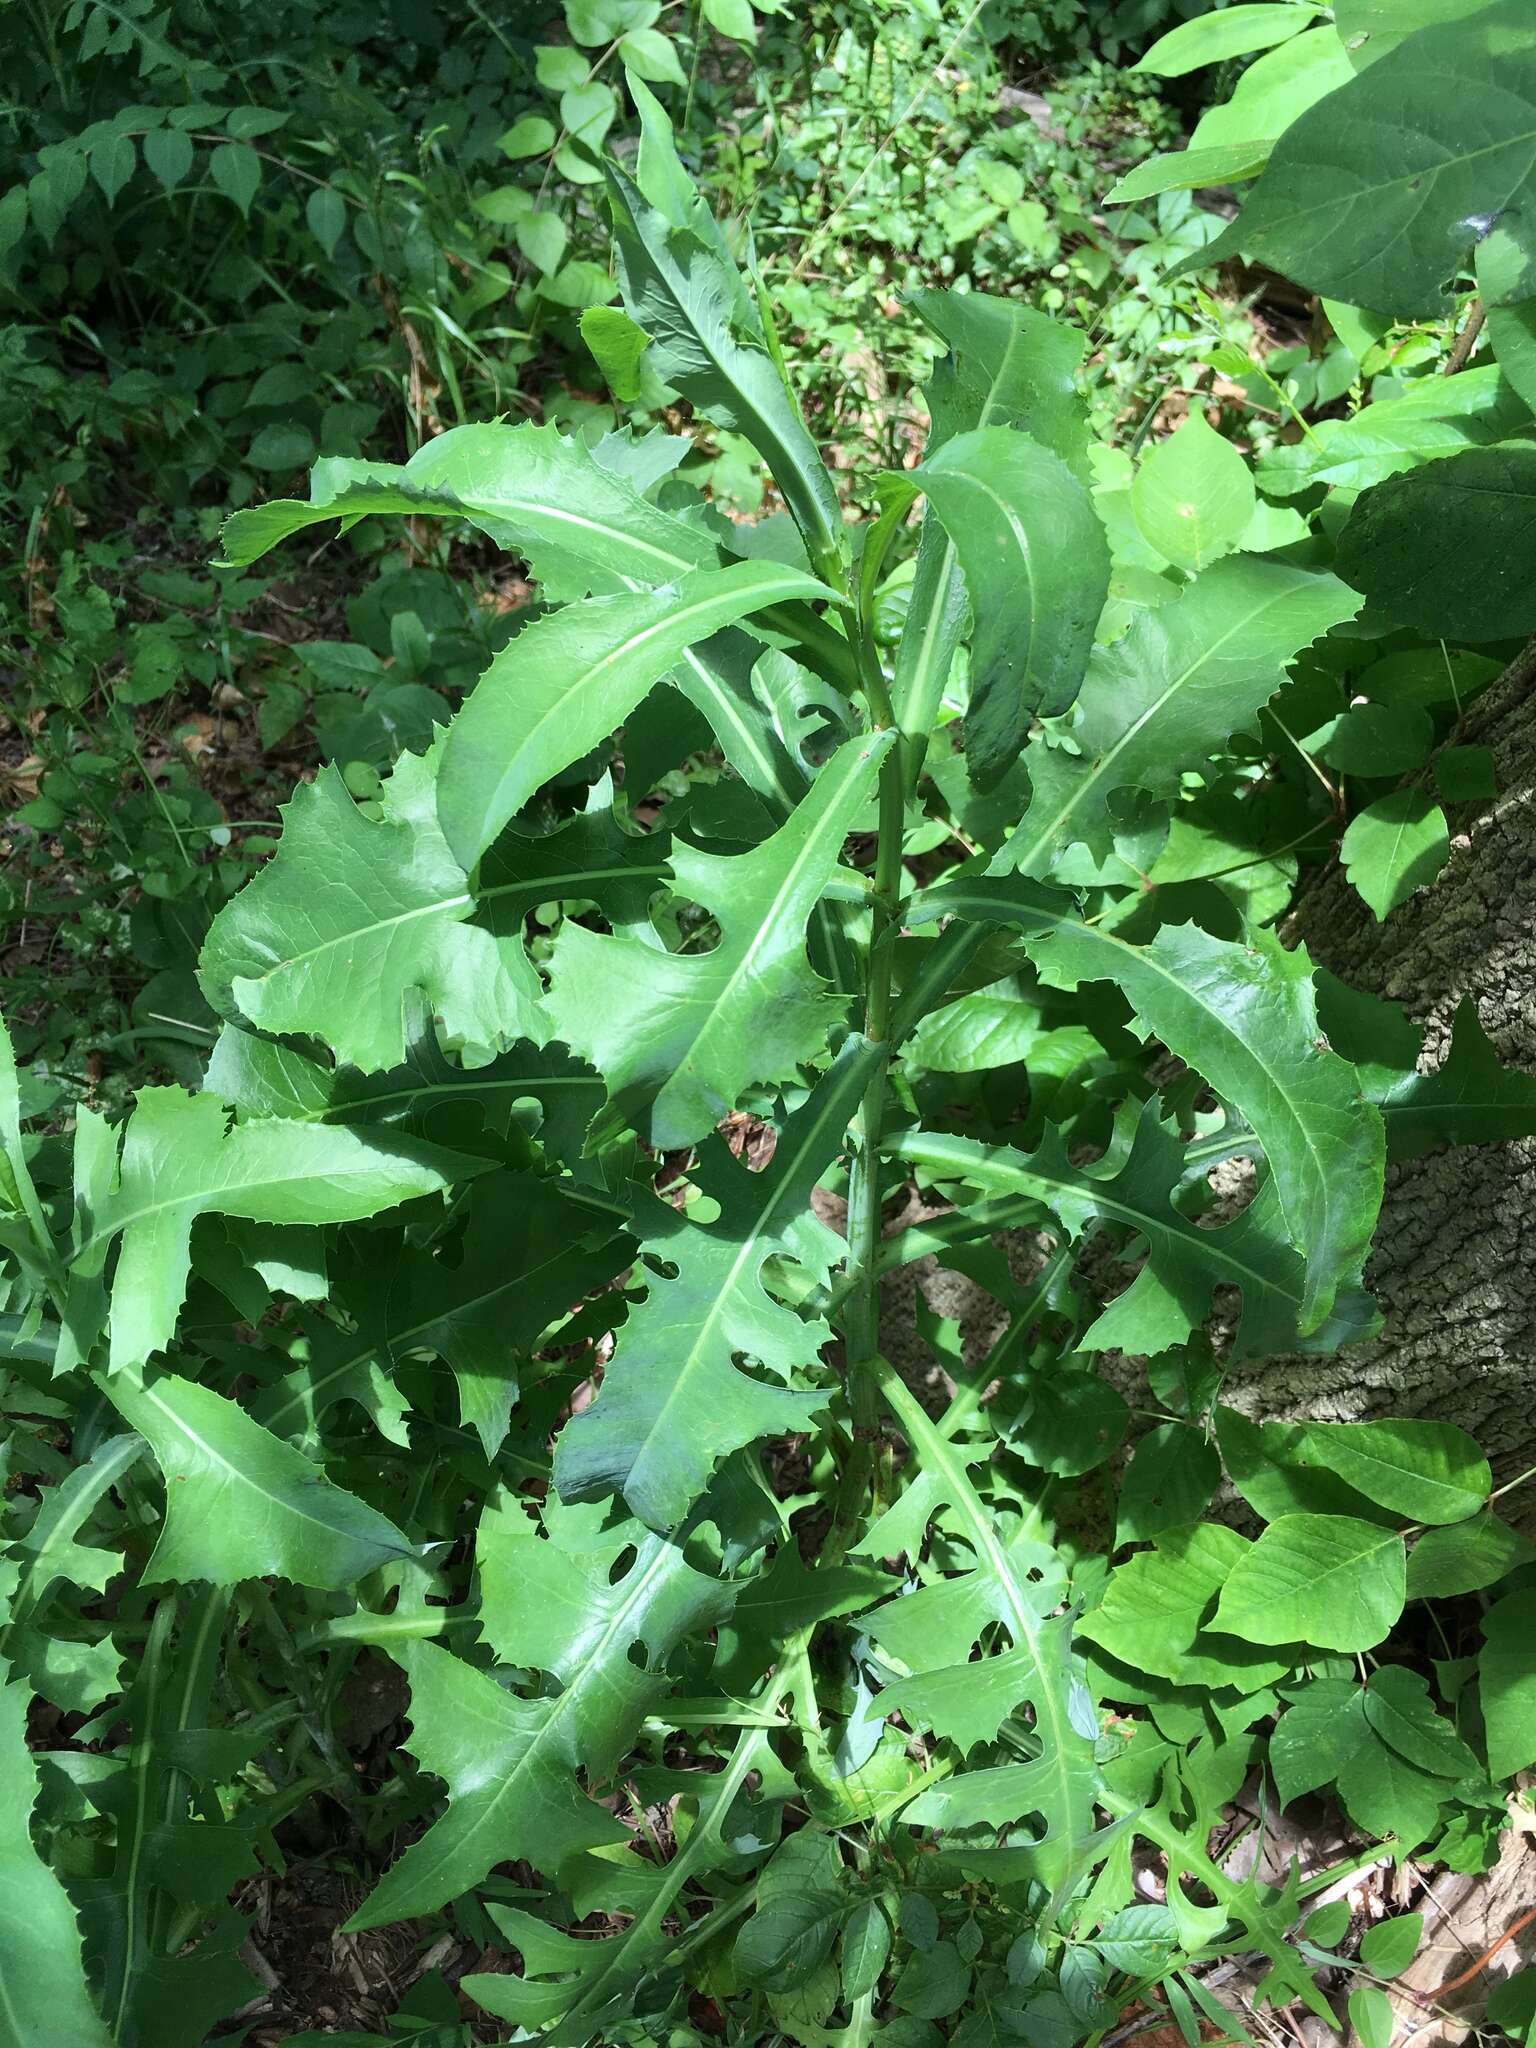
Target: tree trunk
[{"x": 1454, "y": 1264}]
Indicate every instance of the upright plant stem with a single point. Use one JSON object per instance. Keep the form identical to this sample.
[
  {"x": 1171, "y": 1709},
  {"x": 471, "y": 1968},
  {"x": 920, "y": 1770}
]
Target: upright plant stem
[{"x": 861, "y": 1320}]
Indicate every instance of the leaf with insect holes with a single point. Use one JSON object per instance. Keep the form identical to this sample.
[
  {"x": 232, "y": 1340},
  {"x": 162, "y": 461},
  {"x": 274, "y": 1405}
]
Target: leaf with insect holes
[
  {"x": 673, "y": 1401},
  {"x": 1244, "y": 1016},
  {"x": 567, "y": 1602},
  {"x": 1013, "y": 1581},
  {"x": 678, "y": 1036},
  {"x": 354, "y": 917}
]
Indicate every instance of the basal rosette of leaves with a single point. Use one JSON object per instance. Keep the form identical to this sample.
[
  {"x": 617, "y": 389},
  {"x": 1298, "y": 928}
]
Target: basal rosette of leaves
[{"x": 500, "y": 1332}]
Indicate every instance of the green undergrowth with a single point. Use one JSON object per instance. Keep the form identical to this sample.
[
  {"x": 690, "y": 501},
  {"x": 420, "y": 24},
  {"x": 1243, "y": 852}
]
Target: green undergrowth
[{"x": 454, "y": 1442}]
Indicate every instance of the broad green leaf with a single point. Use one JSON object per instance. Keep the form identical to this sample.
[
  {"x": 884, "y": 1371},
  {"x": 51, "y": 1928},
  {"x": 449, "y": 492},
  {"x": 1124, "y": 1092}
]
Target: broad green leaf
[
  {"x": 1507, "y": 1683},
  {"x": 1371, "y": 2016},
  {"x": 1423, "y": 1471},
  {"x": 180, "y": 1160},
  {"x": 1267, "y": 1463},
  {"x": 1450, "y": 549},
  {"x": 1399, "y": 1709},
  {"x": 1324, "y": 1579},
  {"x": 17, "y": 1188},
  {"x": 354, "y": 917},
  {"x": 1233, "y": 140},
  {"x": 681, "y": 287},
  {"x": 1007, "y": 366},
  {"x": 1369, "y": 28},
  {"x": 566, "y": 1602},
  {"x": 1189, "y": 676},
  {"x": 1391, "y": 1945},
  {"x": 1157, "y": 1606},
  {"x": 617, "y": 346},
  {"x": 1170, "y": 1479},
  {"x": 1213, "y": 38},
  {"x": 578, "y": 523},
  {"x": 1373, "y": 195},
  {"x": 673, "y": 1402},
  {"x": 566, "y": 681},
  {"x": 1394, "y": 847},
  {"x": 678, "y": 1036},
  {"x": 791, "y": 1932},
  {"x": 1013, "y": 1580},
  {"x": 866, "y": 1948},
  {"x": 1244, "y": 1017},
  {"x": 1193, "y": 495},
  {"x": 1326, "y": 1737},
  {"x": 1430, "y": 417},
  {"x": 239, "y": 1503},
  {"x": 1035, "y": 563},
  {"x": 43, "y": 1992},
  {"x": 1465, "y": 1557}
]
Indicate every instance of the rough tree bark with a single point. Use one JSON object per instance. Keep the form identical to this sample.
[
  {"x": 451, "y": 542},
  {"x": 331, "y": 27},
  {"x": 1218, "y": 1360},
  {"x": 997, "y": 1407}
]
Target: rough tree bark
[{"x": 1454, "y": 1264}]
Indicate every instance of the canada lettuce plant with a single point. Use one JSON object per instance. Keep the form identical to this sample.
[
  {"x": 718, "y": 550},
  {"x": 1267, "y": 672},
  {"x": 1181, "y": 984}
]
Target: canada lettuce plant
[{"x": 510, "y": 1322}]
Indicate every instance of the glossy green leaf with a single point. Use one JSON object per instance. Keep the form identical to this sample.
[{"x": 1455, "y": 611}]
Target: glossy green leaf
[
  {"x": 239, "y": 1503},
  {"x": 566, "y": 681},
  {"x": 1394, "y": 847},
  {"x": 1391, "y": 1945},
  {"x": 1363, "y": 201},
  {"x": 1158, "y": 1605},
  {"x": 678, "y": 1036},
  {"x": 1423, "y": 1471},
  {"x": 1193, "y": 496},
  {"x": 1213, "y": 38},
  {"x": 43, "y": 1991},
  {"x": 1324, "y": 1579},
  {"x": 673, "y": 1401},
  {"x": 1450, "y": 549},
  {"x": 1171, "y": 1476},
  {"x": 1465, "y": 1557},
  {"x": 1399, "y": 1709},
  {"x": 1507, "y": 1683}
]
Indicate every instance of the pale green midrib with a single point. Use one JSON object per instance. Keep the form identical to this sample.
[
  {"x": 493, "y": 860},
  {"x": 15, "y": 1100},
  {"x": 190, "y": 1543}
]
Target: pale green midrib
[
  {"x": 105, "y": 1471},
  {"x": 447, "y": 906},
  {"x": 194, "y": 1201},
  {"x": 1040, "y": 840},
  {"x": 510, "y": 510},
  {"x": 779, "y": 914},
  {"x": 662, "y": 628},
  {"x": 794, "y": 460},
  {"x": 747, "y": 1252},
  {"x": 470, "y": 1085},
  {"x": 1280, "y": 1092},
  {"x": 1025, "y": 1622},
  {"x": 936, "y": 1151},
  {"x": 592, "y": 1669},
  {"x": 241, "y": 1478},
  {"x": 396, "y": 1341}
]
